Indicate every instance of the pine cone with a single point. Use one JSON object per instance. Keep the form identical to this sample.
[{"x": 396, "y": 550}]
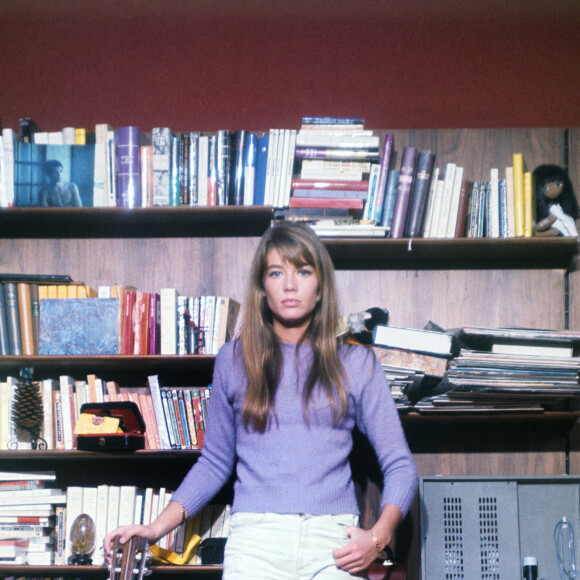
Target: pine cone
[{"x": 27, "y": 411}]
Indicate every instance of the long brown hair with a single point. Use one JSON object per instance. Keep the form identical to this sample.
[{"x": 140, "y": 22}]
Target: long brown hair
[{"x": 298, "y": 245}]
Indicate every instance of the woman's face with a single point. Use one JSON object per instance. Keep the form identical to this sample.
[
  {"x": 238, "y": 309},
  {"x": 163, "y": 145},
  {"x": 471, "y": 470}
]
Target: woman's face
[
  {"x": 552, "y": 189},
  {"x": 291, "y": 293}
]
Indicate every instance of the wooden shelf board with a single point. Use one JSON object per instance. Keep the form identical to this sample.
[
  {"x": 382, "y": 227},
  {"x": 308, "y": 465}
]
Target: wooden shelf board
[
  {"x": 456, "y": 253},
  {"x": 151, "y": 222}
]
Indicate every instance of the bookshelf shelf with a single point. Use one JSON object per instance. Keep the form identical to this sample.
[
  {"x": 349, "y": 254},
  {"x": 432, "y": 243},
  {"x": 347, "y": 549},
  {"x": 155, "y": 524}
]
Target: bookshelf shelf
[
  {"x": 153, "y": 222},
  {"x": 126, "y": 369},
  {"x": 103, "y": 572},
  {"x": 457, "y": 253}
]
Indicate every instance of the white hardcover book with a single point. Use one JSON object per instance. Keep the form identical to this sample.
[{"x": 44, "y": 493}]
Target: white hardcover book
[
  {"x": 432, "y": 204},
  {"x": 274, "y": 139},
  {"x": 202, "y": 169},
  {"x": 445, "y": 208},
  {"x": 47, "y": 433},
  {"x": 101, "y": 524},
  {"x": 155, "y": 389},
  {"x": 113, "y": 507},
  {"x": 66, "y": 389},
  {"x": 10, "y": 139},
  {"x": 454, "y": 205},
  {"x": 168, "y": 315},
  {"x": 100, "y": 170},
  {"x": 127, "y": 504},
  {"x": 74, "y": 507},
  {"x": 321, "y": 139},
  {"x": 427, "y": 341},
  {"x": 68, "y": 136},
  {"x": 494, "y": 202},
  {"x": 509, "y": 178},
  {"x": 138, "y": 509},
  {"x": 111, "y": 188},
  {"x": 147, "y": 506},
  {"x": 209, "y": 319},
  {"x": 3, "y": 194},
  {"x": 4, "y": 415},
  {"x": 283, "y": 148},
  {"x": 27, "y": 475}
]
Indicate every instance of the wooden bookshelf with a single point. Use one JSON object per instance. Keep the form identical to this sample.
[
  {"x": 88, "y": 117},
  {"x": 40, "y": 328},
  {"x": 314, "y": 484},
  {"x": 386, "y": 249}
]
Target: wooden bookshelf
[{"x": 452, "y": 282}]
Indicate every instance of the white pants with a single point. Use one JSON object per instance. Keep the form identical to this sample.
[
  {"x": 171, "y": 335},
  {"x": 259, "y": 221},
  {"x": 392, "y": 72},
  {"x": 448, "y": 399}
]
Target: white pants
[{"x": 285, "y": 546}]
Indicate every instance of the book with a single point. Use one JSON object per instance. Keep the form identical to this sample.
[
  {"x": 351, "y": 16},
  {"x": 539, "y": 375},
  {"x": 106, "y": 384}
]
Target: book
[
  {"x": 425, "y": 341},
  {"x": 154, "y": 323},
  {"x": 168, "y": 320},
  {"x": 127, "y": 164},
  {"x": 160, "y": 418},
  {"x": 13, "y": 317},
  {"x": 128, "y": 341},
  {"x": 462, "y": 208},
  {"x": 518, "y": 176},
  {"x": 79, "y": 326},
  {"x": 454, "y": 202},
  {"x": 146, "y": 173},
  {"x": 376, "y": 214},
  {"x": 4, "y": 332},
  {"x": 141, "y": 323},
  {"x": 429, "y": 364},
  {"x": 162, "y": 163},
  {"x": 25, "y": 314},
  {"x": 419, "y": 194},
  {"x": 404, "y": 186},
  {"x": 531, "y": 349},
  {"x": 327, "y": 202},
  {"x": 226, "y": 315}
]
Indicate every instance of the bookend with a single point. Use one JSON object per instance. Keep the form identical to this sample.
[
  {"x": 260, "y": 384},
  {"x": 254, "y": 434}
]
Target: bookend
[{"x": 130, "y": 435}]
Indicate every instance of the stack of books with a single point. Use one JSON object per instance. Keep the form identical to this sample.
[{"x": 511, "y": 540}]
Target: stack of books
[
  {"x": 27, "y": 517},
  {"x": 510, "y": 370},
  {"x": 334, "y": 157}
]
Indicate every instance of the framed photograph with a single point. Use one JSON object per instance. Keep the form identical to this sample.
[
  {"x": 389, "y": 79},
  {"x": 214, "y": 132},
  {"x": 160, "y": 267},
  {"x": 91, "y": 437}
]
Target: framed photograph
[{"x": 54, "y": 175}]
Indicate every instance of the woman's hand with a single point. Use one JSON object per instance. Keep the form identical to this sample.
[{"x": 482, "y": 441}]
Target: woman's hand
[
  {"x": 125, "y": 533},
  {"x": 358, "y": 554}
]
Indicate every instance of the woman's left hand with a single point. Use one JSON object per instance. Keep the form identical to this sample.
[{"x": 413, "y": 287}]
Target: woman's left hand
[{"x": 358, "y": 554}]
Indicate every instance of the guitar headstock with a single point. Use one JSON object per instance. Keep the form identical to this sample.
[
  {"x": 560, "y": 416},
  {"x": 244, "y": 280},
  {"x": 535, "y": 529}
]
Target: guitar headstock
[{"x": 130, "y": 561}]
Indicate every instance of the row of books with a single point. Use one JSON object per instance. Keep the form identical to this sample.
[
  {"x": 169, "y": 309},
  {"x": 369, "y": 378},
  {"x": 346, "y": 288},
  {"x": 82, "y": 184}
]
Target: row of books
[
  {"x": 174, "y": 418},
  {"x": 75, "y": 319},
  {"x": 331, "y": 168},
  {"x": 36, "y": 520}
]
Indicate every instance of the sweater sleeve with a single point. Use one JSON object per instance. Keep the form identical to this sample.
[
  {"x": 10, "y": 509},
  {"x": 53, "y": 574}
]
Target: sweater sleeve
[
  {"x": 215, "y": 466},
  {"x": 378, "y": 419}
]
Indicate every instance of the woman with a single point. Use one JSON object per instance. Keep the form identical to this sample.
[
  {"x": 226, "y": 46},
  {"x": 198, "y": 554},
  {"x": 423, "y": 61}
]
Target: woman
[{"x": 285, "y": 398}]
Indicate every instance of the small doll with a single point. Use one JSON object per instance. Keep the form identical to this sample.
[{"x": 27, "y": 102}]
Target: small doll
[
  {"x": 556, "y": 205},
  {"x": 362, "y": 324}
]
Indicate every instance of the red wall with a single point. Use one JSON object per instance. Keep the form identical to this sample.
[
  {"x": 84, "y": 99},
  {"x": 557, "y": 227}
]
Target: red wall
[{"x": 235, "y": 69}]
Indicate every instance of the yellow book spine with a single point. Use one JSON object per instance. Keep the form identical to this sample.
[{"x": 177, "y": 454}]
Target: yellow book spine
[
  {"x": 42, "y": 291},
  {"x": 81, "y": 136},
  {"x": 71, "y": 291},
  {"x": 518, "y": 163},
  {"x": 528, "y": 205},
  {"x": 62, "y": 291}
]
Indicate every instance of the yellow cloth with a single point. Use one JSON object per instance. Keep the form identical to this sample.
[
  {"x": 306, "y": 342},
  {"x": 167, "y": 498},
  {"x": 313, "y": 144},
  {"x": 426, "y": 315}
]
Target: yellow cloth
[{"x": 164, "y": 556}]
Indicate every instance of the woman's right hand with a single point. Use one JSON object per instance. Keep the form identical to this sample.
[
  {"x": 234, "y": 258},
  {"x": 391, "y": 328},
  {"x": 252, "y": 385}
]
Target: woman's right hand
[{"x": 125, "y": 533}]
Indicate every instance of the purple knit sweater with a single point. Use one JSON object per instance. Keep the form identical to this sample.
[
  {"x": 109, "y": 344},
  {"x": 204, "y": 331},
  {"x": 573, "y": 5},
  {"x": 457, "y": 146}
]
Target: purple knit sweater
[{"x": 298, "y": 467}]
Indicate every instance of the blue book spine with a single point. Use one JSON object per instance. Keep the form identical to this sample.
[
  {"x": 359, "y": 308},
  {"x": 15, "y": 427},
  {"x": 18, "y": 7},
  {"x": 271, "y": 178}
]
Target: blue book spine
[
  {"x": 390, "y": 197},
  {"x": 128, "y": 173},
  {"x": 261, "y": 165}
]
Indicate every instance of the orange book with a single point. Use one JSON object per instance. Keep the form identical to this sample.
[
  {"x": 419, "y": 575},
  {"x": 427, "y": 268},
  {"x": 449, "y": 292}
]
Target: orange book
[{"x": 25, "y": 314}]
